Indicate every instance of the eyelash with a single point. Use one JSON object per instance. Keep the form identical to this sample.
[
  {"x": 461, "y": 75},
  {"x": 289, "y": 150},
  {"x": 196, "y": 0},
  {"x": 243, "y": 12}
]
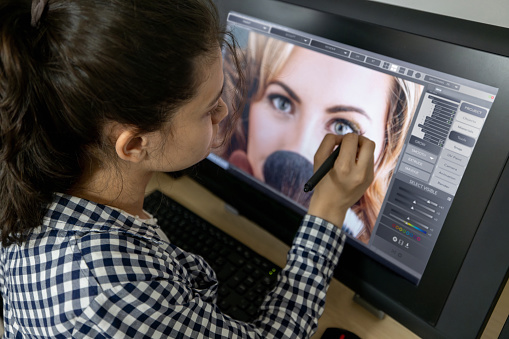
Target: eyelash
[
  {"x": 350, "y": 124},
  {"x": 273, "y": 97},
  {"x": 216, "y": 109}
]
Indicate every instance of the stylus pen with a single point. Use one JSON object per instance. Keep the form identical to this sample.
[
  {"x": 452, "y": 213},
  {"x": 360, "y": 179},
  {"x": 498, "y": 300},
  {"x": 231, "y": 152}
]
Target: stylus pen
[{"x": 322, "y": 170}]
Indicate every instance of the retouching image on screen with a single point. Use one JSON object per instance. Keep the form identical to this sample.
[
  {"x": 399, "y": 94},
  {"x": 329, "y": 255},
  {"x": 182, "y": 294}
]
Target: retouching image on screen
[{"x": 425, "y": 124}]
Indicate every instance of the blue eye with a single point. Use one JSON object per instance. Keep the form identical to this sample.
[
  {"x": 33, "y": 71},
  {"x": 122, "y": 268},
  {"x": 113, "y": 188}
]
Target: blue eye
[
  {"x": 281, "y": 103},
  {"x": 342, "y": 127}
]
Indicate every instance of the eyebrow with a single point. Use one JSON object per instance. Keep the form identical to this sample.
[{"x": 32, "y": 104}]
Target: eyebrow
[
  {"x": 290, "y": 92},
  {"x": 333, "y": 109},
  {"x": 347, "y": 108}
]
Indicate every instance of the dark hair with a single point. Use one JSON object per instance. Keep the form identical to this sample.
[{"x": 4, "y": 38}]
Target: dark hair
[{"x": 85, "y": 63}]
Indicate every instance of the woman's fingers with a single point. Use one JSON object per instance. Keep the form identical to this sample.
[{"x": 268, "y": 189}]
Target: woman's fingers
[
  {"x": 347, "y": 181},
  {"x": 348, "y": 154},
  {"x": 365, "y": 158}
]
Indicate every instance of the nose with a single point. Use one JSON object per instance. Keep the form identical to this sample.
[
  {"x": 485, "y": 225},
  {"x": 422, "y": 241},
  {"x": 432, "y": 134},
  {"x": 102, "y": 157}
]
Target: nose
[
  {"x": 220, "y": 113},
  {"x": 304, "y": 140}
]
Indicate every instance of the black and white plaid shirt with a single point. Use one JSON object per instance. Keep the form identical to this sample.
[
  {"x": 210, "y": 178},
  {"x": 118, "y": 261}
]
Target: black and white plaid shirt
[{"x": 91, "y": 271}]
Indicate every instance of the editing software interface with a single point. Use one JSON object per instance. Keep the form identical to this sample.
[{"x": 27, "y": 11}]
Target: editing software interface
[{"x": 425, "y": 124}]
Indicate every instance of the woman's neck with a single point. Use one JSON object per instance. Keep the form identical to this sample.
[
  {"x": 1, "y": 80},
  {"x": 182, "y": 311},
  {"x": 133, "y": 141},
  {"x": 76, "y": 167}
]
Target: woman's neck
[{"x": 123, "y": 188}]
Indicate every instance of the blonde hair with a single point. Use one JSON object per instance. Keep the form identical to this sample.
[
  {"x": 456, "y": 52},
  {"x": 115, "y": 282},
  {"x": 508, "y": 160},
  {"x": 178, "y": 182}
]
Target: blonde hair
[
  {"x": 266, "y": 57},
  {"x": 402, "y": 104},
  {"x": 271, "y": 55}
]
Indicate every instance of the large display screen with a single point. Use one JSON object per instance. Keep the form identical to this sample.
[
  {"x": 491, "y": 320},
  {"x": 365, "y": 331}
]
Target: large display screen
[{"x": 425, "y": 124}]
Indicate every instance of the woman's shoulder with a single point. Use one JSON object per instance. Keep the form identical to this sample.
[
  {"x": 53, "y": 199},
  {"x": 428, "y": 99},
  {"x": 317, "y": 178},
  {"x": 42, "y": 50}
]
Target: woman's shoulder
[
  {"x": 106, "y": 240},
  {"x": 105, "y": 245}
]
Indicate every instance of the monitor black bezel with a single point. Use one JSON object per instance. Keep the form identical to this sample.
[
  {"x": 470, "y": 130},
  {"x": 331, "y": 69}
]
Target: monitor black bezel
[{"x": 418, "y": 307}]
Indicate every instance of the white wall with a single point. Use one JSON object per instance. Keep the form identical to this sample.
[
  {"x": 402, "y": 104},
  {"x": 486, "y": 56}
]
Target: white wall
[{"x": 494, "y": 12}]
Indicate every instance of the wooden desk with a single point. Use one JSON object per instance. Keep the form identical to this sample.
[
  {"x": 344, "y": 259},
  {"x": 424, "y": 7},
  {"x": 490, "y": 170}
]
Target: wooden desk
[{"x": 340, "y": 309}]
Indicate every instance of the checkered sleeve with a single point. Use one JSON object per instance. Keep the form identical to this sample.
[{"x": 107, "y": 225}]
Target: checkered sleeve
[
  {"x": 157, "y": 309},
  {"x": 293, "y": 308},
  {"x": 151, "y": 292}
]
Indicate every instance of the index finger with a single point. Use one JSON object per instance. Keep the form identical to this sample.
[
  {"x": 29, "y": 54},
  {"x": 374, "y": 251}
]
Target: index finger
[{"x": 349, "y": 150}]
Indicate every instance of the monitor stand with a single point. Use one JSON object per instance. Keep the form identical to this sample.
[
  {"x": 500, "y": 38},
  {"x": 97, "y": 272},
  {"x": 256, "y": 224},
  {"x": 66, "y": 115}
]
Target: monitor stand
[{"x": 371, "y": 309}]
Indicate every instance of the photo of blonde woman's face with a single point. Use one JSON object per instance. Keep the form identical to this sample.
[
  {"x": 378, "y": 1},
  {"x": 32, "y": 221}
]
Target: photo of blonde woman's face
[{"x": 312, "y": 95}]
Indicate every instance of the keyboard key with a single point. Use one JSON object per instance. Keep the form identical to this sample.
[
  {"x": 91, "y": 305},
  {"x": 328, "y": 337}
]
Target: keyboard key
[
  {"x": 223, "y": 305},
  {"x": 249, "y": 281},
  {"x": 223, "y": 291},
  {"x": 241, "y": 289},
  {"x": 244, "y": 304},
  {"x": 236, "y": 259},
  {"x": 252, "y": 310},
  {"x": 234, "y": 281},
  {"x": 225, "y": 273},
  {"x": 251, "y": 295}
]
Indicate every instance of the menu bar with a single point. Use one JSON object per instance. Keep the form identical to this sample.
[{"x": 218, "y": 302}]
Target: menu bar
[{"x": 387, "y": 66}]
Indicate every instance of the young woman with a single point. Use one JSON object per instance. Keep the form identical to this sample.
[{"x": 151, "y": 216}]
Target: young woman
[
  {"x": 297, "y": 96},
  {"x": 95, "y": 96}
]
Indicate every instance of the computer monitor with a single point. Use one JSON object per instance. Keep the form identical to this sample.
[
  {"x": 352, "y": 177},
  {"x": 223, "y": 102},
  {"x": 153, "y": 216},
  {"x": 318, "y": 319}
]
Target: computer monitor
[{"x": 424, "y": 245}]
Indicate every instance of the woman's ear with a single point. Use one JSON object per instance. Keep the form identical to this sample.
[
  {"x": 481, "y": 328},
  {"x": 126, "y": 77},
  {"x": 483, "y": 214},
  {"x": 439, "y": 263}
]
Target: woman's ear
[{"x": 131, "y": 146}]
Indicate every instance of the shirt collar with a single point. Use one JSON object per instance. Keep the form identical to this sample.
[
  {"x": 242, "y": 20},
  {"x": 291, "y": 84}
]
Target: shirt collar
[{"x": 71, "y": 213}]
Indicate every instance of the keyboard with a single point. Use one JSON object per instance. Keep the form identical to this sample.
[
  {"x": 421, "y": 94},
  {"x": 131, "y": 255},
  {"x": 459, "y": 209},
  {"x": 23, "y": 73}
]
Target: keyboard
[{"x": 244, "y": 276}]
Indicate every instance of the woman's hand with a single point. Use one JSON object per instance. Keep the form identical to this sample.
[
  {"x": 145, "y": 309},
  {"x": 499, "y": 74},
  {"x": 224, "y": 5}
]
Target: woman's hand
[{"x": 347, "y": 181}]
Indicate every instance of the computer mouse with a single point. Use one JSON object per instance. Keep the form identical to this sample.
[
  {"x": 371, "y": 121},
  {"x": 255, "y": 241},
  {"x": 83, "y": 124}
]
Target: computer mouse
[{"x": 338, "y": 333}]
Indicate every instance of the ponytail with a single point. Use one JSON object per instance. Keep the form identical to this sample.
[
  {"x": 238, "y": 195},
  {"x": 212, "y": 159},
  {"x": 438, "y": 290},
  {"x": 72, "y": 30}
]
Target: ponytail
[
  {"x": 25, "y": 151},
  {"x": 19, "y": 199}
]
